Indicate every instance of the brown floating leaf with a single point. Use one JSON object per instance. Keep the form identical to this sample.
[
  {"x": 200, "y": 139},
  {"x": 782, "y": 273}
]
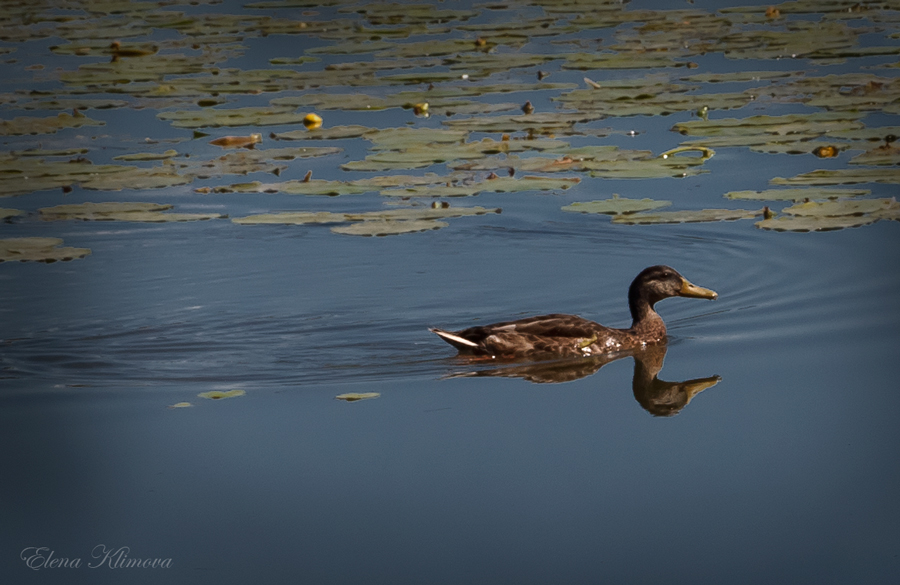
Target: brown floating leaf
[{"x": 237, "y": 141}]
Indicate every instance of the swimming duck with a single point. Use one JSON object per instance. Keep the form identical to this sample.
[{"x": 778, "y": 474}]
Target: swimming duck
[{"x": 570, "y": 335}]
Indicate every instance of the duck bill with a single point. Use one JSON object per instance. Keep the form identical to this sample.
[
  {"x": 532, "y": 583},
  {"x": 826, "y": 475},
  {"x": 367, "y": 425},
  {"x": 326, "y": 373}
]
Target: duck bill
[{"x": 697, "y": 292}]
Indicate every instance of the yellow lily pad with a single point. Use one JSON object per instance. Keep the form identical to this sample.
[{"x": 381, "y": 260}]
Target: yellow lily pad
[{"x": 38, "y": 250}]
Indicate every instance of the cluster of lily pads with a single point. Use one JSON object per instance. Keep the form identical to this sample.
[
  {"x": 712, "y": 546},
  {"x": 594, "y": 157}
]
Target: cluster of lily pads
[{"x": 455, "y": 65}]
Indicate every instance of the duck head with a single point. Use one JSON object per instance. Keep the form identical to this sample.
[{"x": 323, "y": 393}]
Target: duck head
[{"x": 661, "y": 282}]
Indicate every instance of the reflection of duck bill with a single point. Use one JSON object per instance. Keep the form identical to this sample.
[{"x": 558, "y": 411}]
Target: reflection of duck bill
[{"x": 694, "y": 387}]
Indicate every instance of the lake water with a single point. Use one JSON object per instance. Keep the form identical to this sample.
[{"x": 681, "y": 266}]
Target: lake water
[{"x": 786, "y": 468}]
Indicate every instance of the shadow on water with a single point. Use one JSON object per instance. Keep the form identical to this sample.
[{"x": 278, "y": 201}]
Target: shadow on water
[{"x": 658, "y": 397}]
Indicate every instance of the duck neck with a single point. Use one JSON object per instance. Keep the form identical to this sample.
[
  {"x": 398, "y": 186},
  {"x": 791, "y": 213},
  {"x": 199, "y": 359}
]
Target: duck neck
[{"x": 643, "y": 316}]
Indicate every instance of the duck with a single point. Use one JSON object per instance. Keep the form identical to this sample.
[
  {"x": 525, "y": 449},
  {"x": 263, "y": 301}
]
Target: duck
[{"x": 561, "y": 335}]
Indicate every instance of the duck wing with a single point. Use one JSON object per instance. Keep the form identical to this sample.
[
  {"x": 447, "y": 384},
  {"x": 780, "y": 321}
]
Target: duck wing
[{"x": 552, "y": 334}]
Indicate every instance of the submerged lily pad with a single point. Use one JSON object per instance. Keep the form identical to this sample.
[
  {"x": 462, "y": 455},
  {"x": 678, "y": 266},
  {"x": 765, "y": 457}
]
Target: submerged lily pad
[
  {"x": 688, "y": 216},
  {"x": 219, "y": 394},
  {"x": 38, "y": 250},
  {"x": 354, "y": 396},
  {"x": 616, "y": 205}
]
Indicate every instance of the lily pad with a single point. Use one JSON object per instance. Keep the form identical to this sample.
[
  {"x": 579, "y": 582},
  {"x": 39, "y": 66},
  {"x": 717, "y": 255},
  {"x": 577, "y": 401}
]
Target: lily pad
[
  {"x": 688, "y": 216},
  {"x": 842, "y": 207},
  {"x": 616, "y": 205},
  {"x": 381, "y": 227},
  {"x": 799, "y": 194},
  {"x": 417, "y": 213},
  {"x": 495, "y": 185},
  {"x": 219, "y": 394},
  {"x": 794, "y": 223},
  {"x": 27, "y": 125},
  {"x": 143, "y": 156},
  {"x": 249, "y": 116},
  {"x": 113, "y": 211},
  {"x": 354, "y": 396},
  {"x": 842, "y": 177},
  {"x": 886, "y": 154},
  {"x": 8, "y": 213},
  {"x": 38, "y": 250}
]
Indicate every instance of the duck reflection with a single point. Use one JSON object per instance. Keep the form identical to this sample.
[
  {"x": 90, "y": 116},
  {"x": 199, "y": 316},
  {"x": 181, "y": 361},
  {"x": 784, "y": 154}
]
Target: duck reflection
[{"x": 658, "y": 397}]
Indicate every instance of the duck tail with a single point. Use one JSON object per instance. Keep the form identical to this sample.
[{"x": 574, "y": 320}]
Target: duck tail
[{"x": 454, "y": 339}]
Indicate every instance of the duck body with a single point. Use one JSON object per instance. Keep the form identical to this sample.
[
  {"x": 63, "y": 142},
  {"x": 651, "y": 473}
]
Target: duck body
[{"x": 559, "y": 335}]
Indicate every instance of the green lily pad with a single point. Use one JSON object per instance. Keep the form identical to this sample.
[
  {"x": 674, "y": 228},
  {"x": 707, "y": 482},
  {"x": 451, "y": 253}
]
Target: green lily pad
[
  {"x": 842, "y": 207},
  {"x": 355, "y": 396},
  {"x": 381, "y": 227},
  {"x": 332, "y": 133},
  {"x": 886, "y": 154},
  {"x": 807, "y": 124},
  {"x": 688, "y": 216},
  {"x": 814, "y": 224},
  {"x": 38, "y": 250},
  {"x": 249, "y": 116},
  {"x": 812, "y": 193},
  {"x": 142, "y": 156},
  {"x": 841, "y": 177},
  {"x": 8, "y": 213},
  {"x": 495, "y": 185},
  {"x": 738, "y": 76},
  {"x": 417, "y": 213},
  {"x": 616, "y": 205},
  {"x": 114, "y": 211},
  {"x": 27, "y": 125}
]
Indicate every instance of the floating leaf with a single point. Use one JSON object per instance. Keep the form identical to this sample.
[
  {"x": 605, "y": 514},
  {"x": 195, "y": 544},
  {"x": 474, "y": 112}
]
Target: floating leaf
[
  {"x": 113, "y": 211},
  {"x": 885, "y": 154},
  {"x": 143, "y": 156},
  {"x": 25, "y": 125},
  {"x": 181, "y": 405},
  {"x": 495, "y": 185},
  {"x": 8, "y": 213},
  {"x": 219, "y": 394},
  {"x": 616, "y": 205},
  {"x": 814, "y": 224},
  {"x": 303, "y": 217},
  {"x": 841, "y": 177},
  {"x": 237, "y": 141},
  {"x": 354, "y": 396},
  {"x": 796, "y": 194},
  {"x": 688, "y": 216},
  {"x": 249, "y": 116},
  {"x": 849, "y": 207},
  {"x": 38, "y": 250},
  {"x": 389, "y": 227}
]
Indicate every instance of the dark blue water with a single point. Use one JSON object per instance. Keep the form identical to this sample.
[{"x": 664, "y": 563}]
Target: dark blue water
[{"x": 785, "y": 469}]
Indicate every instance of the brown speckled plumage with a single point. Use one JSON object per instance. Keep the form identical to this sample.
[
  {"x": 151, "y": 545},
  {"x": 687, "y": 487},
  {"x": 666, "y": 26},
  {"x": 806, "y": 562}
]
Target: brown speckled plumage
[{"x": 570, "y": 335}]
